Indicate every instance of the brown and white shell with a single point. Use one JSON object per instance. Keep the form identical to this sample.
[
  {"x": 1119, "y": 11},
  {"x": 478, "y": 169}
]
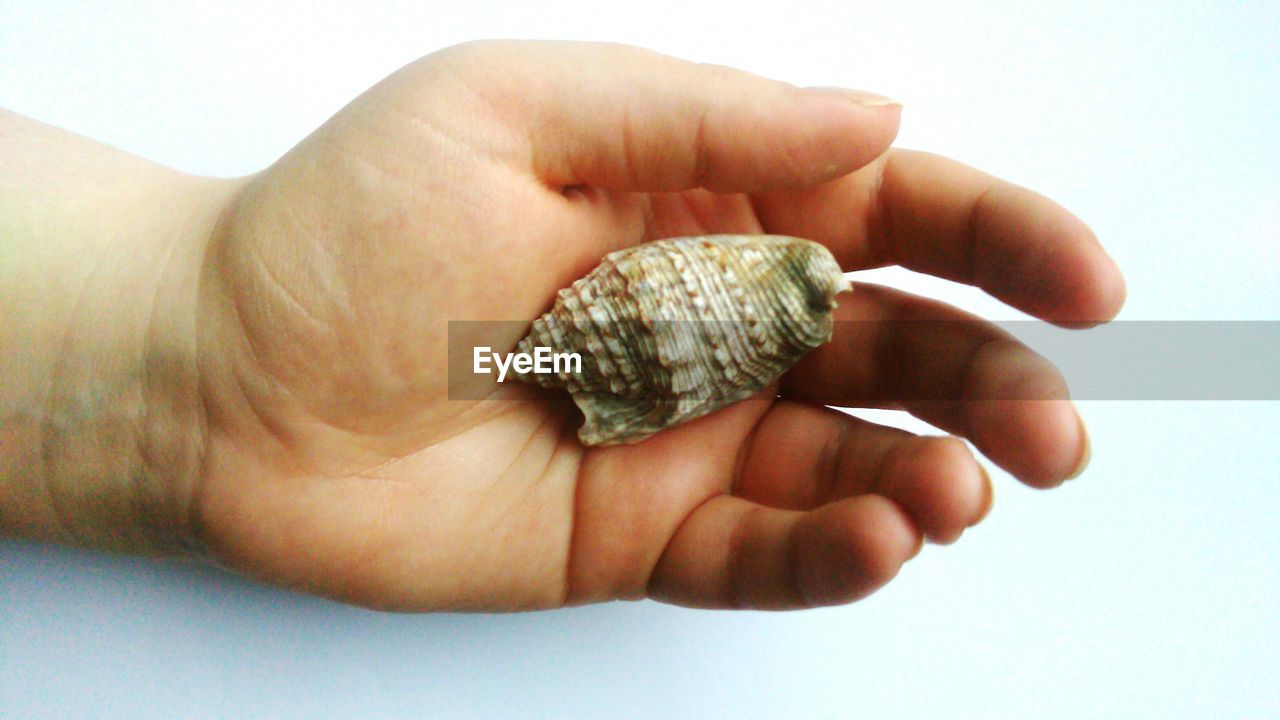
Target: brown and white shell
[{"x": 675, "y": 329}]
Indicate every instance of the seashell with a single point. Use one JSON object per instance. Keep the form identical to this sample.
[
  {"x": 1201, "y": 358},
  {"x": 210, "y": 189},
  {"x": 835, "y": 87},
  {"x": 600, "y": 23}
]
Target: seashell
[{"x": 675, "y": 329}]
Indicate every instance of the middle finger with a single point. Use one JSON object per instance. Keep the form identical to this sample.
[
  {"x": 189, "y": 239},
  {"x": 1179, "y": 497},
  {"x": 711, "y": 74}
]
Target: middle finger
[{"x": 952, "y": 370}]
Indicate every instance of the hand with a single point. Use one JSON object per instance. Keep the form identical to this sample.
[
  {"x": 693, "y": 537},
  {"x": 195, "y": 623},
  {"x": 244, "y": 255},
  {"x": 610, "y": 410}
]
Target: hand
[{"x": 475, "y": 183}]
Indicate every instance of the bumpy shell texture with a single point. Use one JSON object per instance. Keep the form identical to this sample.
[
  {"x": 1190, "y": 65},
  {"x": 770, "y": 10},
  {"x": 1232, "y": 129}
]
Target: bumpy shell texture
[{"x": 675, "y": 329}]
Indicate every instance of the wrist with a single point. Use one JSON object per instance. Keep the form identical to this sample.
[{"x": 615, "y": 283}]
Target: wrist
[{"x": 101, "y": 428}]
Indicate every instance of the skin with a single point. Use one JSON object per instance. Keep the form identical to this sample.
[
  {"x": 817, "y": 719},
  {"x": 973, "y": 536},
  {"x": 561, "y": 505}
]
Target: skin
[{"x": 252, "y": 371}]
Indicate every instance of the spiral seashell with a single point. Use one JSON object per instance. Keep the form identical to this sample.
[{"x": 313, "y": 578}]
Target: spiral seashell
[{"x": 675, "y": 329}]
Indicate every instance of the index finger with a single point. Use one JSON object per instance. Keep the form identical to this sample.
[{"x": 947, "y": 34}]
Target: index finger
[{"x": 935, "y": 215}]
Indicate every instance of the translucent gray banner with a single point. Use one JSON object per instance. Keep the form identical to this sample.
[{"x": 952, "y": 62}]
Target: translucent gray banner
[{"x": 1123, "y": 360}]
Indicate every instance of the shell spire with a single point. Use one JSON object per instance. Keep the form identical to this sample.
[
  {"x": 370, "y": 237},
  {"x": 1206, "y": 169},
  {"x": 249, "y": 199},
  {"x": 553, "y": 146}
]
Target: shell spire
[{"x": 672, "y": 330}]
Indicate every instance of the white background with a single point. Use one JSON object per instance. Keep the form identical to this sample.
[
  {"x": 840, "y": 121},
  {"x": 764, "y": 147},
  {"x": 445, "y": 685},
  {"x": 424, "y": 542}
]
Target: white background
[{"x": 1148, "y": 588}]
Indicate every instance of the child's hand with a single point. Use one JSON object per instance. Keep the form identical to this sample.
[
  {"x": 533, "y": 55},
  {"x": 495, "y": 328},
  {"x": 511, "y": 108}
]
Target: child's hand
[{"x": 475, "y": 183}]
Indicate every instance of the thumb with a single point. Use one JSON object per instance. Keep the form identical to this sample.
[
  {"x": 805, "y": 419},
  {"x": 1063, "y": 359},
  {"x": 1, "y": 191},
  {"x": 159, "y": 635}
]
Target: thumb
[{"x": 624, "y": 118}]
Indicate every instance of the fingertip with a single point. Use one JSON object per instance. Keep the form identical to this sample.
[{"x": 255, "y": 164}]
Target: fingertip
[
  {"x": 1019, "y": 414},
  {"x": 851, "y": 548},
  {"x": 1105, "y": 291},
  {"x": 1086, "y": 451},
  {"x": 1110, "y": 290},
  {"x": 989, "y": 496},
  {"x": 1093, "y": 286},
  {"x": 856, "y": 128},
  {"x": 802, "y": 138},
  {"x": 939, "y": 483},
  {"x": 888, "y": 538},
  {"x": 1036, "y": 441}
]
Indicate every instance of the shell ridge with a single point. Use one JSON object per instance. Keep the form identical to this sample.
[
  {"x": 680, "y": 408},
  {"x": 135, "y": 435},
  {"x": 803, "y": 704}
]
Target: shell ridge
[{"x": 675, "y": 329}]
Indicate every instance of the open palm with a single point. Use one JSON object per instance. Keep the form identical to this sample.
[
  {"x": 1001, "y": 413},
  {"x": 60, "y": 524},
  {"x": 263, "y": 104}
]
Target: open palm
[{"x": 475, "y": 183}]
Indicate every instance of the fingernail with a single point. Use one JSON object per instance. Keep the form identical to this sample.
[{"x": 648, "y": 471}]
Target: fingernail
[
  {"x": 1086, "y": 455},
  {"x": 919, "y": 547},
  {"x": 859, "y": 97},
  {"x": 990, "y": 491}
]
